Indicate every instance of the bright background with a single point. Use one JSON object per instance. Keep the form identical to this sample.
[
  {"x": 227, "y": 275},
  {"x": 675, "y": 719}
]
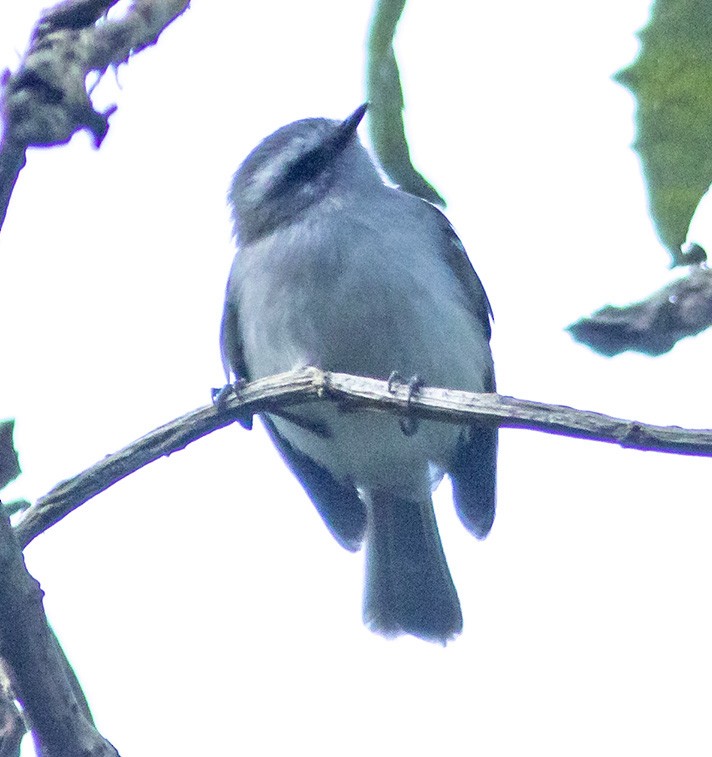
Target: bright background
[{"x": 203, "y": 604}]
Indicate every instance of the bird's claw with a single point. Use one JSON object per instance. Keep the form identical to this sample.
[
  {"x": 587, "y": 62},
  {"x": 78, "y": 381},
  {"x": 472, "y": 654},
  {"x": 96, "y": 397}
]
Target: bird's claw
[
  {"x": 408, "y": 424},
  {"x": 222, "y": 395}
]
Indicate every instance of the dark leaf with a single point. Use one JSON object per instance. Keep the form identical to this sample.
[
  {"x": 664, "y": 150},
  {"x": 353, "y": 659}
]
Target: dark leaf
[
  {"x": 9, "y": 464},
  {"x": 653, "y": 326}
]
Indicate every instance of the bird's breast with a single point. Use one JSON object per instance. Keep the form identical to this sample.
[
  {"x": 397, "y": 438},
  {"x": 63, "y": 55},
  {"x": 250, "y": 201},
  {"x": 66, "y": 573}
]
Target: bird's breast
[{"x": 342, "y": 297}]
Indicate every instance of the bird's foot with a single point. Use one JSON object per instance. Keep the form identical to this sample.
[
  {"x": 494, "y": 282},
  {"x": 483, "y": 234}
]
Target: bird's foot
[
  {"x": 222, "y": 395},
  {"x": 408, "y": 424}
]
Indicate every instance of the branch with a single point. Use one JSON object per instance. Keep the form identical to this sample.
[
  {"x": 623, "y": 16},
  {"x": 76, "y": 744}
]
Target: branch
[
  {"x": 309, "y": 385},
  {"x": 39, "y": 680},
  {"x": 12, "y": 161},
  {"x": 12, "y": 726},
  {"x": 46, "y": 100},
  {"x": 652, "y": 326}
]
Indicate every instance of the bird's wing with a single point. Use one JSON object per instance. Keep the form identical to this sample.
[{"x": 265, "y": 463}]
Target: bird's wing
[
  {"x": 231, "y": 343},
  {"x": 474, "y": 469},
  {"x": 338, "y": 504},
  {"x": 474, "y": 479},
  {"x": 453, "y": 251}
]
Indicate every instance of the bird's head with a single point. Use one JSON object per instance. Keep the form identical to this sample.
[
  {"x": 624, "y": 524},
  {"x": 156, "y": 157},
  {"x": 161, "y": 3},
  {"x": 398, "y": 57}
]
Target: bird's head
[{"x": 293, "y": 169}]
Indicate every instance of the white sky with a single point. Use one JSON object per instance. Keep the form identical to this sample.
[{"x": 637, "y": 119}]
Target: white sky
[{"x": 205, "y": 607}]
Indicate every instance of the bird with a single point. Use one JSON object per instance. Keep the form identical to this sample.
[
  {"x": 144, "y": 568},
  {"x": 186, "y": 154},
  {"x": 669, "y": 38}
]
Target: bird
[{"x": 337, "y": 269}]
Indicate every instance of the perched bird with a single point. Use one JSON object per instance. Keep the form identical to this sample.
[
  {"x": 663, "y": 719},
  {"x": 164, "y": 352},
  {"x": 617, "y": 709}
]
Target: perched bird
[{"x": 337, "y": 270}]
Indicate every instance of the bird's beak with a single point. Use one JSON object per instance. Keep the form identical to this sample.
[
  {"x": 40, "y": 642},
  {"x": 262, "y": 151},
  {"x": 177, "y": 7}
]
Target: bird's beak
[
  {"x": 350, "y": 124},
  {"x": 338, "y": 138},
  {"x": 347, "y": 128}
]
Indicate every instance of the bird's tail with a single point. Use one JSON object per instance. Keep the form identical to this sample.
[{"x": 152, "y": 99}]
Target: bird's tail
[{"x": 408, "y": 586}]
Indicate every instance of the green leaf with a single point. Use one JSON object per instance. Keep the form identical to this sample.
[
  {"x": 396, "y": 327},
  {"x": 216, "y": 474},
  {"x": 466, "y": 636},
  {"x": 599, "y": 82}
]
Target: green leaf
[
  {"x": 385, "y": 103},
  {"x": 672, "y": 82}
]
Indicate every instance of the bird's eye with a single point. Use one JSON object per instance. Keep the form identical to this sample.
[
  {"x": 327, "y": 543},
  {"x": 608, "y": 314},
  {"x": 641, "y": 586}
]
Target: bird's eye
[{"x": 304, "y": 168}]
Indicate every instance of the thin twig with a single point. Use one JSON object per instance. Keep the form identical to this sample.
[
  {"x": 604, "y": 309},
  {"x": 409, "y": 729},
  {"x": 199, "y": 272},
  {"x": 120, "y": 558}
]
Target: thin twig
[{"x": 309, "y": 385}]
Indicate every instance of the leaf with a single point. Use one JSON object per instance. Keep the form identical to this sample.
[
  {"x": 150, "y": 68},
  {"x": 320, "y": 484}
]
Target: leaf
[
  {"x": 12, "y": 508},
  {"x": 385, "y": 104},
  {"x": 672, "y": 82},
  {"x": 9, "y": 463},
  {"x": 653, "y": 326}
]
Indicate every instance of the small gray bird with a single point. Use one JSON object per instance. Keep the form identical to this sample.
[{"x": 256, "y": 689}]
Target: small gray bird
[{"x": 334, "y": 269}]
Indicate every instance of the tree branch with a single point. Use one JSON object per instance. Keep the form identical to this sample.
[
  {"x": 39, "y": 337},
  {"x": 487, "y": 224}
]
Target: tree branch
[
  {"x": 12, "y": 161},
  {"x": 310, "y": 384},
  {"x": 12, "y": 726},
  {"x": 37, "y": 673},
  {"x": 46, "y": 100}
]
